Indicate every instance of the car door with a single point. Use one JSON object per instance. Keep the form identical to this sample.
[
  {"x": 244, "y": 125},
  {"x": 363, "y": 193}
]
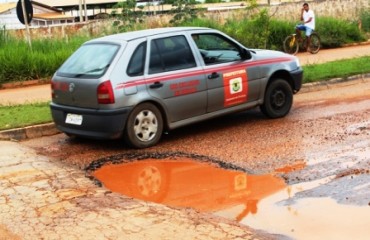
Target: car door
[
  {"x": 174, "y": 77},
  {"x": 231, "y": 80}
]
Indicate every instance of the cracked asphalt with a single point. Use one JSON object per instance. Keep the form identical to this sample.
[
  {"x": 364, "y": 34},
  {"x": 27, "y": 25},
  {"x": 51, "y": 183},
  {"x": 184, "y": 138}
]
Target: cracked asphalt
[{"x": 44, "y": 199}]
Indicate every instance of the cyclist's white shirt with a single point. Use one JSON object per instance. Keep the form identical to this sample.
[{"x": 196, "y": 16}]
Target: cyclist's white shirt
[{"x": 307, "y": 15}]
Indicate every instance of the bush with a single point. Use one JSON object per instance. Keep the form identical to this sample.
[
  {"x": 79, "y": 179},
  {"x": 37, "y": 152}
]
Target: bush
[
  {"x": 279, "y": 30},
  {"x": 252, "y": 32},
  {"x": 365, "y": 20},
  {"x": 3, "y": 35},
  {"x": 336, "y": 32},
  {"x": 20, "y": 62},
  {"x": 201, "y": 22},
  {"x": 248, "y": 31}
]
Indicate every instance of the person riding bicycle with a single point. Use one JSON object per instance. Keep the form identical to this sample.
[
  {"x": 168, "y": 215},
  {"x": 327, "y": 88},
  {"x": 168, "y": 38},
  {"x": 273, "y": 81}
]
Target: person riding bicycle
[{"x": 308, "y": 25}]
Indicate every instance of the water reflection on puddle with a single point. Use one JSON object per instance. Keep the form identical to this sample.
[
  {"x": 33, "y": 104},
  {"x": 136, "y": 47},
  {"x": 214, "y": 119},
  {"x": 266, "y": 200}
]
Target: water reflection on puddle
[
  {"x": 258, "y": 201},
  {"x": 187, "y": 183}
]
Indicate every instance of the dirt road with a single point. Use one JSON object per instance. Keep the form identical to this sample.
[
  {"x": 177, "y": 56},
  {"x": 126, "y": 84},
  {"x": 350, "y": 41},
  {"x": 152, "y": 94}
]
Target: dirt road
[
  {"x": 321, "y": 150},
  {"x": 328, "y": 55}
]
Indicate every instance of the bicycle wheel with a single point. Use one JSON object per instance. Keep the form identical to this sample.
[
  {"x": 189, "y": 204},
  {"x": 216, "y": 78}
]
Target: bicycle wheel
[
  {"x": 315, "y": 43},
  {"x": 291, "y": 44}
]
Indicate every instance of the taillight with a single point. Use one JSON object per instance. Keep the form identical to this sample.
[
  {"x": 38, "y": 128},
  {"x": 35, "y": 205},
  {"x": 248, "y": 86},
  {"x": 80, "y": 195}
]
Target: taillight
[{"x": 105, "y": 93}]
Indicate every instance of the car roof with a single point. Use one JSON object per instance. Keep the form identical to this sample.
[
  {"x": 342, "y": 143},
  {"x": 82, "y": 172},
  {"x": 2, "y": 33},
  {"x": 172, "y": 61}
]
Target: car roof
[{"x": 129, "y": 36}]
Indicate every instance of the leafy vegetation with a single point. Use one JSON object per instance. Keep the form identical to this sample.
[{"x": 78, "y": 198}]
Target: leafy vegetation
[
  {"x": 336, "y": 32},
  {"x": 254, "y": 29},
  {"x": 2, "y": 35},
  {"x": 127, "y": 16},
  {"x": 365, "y": 20},
  {"x": 183, "y": 11},
  {"x": 24, "y": 115},
  {"x": 19, "y": 62},
  {"x": 342, "y": 68}
]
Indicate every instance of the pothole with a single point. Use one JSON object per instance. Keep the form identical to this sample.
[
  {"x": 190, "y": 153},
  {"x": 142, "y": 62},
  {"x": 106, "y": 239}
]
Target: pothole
[
  {"x": 264, "y": 202},
  {"x": 187, "y": 183}
]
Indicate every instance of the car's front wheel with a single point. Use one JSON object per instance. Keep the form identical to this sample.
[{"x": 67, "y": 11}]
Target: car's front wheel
[
  {"x": 144, "y": 126},
  {"x": 278, "y": 99}
]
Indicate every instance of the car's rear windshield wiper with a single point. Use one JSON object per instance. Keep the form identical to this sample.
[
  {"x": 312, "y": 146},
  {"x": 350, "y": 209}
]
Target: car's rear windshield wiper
[{"x": 91, "y": 71}]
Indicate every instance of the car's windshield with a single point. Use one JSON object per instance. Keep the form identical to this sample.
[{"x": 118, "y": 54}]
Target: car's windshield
[{"x": 89, "y": 61}]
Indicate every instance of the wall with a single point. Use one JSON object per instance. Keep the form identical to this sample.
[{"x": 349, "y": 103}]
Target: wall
[
  {"x": 343, "y": 9},
  {"x": 10, "y": 19}
]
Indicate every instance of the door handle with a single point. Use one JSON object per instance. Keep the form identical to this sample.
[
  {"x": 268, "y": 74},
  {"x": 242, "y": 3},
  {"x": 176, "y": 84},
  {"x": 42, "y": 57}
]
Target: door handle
[
  {"x": 156, "y": 85},
  {"x": 213, "y": 75}
]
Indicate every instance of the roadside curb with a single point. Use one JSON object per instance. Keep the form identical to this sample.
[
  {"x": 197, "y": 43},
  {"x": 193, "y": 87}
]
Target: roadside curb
[
  {"x": 48, "y": 129},
  {"x": 357, "y": 44},
  {"x": 335, "y": 82},
  {"x": 27, "y": 83},
  {"x": 29, "y": 132}
]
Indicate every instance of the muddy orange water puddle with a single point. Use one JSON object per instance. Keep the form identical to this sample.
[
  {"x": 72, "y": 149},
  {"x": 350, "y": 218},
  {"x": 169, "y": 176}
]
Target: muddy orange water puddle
[
  {"x": 310, "y": 218},
  {"x": 187, "y": 183},
  {"x": 249, "y": 199}
]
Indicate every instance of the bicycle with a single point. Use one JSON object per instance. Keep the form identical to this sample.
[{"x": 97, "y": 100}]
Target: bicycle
[{"x": 292, "y": 44}]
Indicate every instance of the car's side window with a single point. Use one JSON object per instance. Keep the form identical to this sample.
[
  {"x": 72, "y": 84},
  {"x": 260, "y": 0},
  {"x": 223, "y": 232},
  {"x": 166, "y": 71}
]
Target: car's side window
[
  {"x": 171, "y": 53},
  {"x": 137, "y": 61},
  {"x": 215, "y": 49}
]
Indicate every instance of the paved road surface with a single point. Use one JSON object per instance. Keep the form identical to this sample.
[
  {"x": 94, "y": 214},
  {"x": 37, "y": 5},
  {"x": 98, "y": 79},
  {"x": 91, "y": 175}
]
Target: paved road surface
[{"x": 327, "y": 55}]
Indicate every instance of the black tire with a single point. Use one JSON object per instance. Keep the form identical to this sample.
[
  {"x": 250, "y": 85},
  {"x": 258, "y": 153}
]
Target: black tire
[
  {"x": 144, "y": 126},
  {"x": 315, "y": 43},
  {"x": 278, "y": 99},
  {"x": 291, "y": 45}
]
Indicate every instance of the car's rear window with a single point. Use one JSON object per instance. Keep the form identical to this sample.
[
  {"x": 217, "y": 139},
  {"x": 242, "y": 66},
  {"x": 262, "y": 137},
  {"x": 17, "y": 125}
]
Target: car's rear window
[{"x": 89, "y": 61}]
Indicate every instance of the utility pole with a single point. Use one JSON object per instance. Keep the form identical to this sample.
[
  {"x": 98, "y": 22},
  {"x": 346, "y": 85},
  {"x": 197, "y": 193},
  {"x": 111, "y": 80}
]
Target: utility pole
[
  {"x": 85, "y": 7},
  {"x": 25, "y": 17},
  {"x": 80, "y": 9}
]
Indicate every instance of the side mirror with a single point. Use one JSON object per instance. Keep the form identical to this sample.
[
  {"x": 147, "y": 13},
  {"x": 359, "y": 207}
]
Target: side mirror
[{"x": 245, "y": 54}]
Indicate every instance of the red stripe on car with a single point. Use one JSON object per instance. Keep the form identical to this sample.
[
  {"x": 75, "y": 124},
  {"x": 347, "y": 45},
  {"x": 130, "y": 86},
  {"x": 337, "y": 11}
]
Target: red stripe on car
[{"x": 198, "y": 72}]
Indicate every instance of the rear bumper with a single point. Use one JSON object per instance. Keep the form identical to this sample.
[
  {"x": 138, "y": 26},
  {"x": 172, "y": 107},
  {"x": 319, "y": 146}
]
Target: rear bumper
[
  {"x": 97, "y": 124},
  {"x": 297, "y": 77}
]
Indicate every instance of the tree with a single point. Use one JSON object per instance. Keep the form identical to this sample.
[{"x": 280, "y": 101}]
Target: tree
[
  {"x": 184, "y": 11},
  {"x": 128, "y": 16}
]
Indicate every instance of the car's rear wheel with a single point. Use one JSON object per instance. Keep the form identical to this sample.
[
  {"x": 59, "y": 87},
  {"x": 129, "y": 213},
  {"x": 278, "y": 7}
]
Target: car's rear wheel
[
  {"x": 144, "y": 126},
  {"x": 278, "y": 99}
]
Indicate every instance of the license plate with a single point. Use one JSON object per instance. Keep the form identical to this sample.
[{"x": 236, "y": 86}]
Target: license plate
[{"x": 74, "y": 119}]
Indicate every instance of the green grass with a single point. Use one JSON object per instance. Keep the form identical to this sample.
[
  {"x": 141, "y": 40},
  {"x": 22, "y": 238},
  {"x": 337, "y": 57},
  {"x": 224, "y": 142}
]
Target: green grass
[
  {"x": 19, "y": 63},
  {"x": 15, "y": 116},
  {"x": 36, "y": 113},
  {"x": 341, "y": 68}
]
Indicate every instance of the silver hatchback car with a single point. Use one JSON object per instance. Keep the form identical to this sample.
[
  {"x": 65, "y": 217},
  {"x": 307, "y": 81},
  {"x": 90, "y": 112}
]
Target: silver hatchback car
[{"x": 139, "y": 84}]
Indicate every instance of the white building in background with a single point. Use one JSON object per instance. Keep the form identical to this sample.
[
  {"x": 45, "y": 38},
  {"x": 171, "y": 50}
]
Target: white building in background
[
  {"x": 8, "y": 16},
  {"x": 56, "y": 12},
  {"x": 43, "y": 16}
]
